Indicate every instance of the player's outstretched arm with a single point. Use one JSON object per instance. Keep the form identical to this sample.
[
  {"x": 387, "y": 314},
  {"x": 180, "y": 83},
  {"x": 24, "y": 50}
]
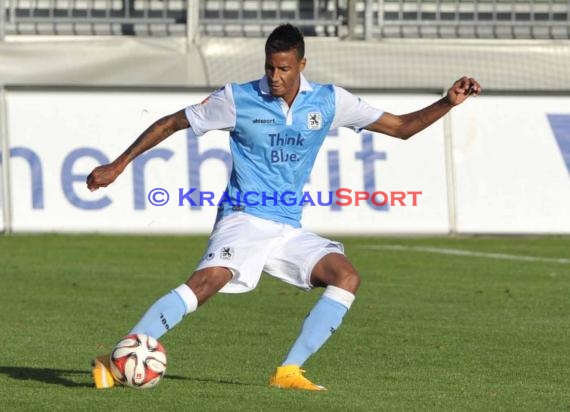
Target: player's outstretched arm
[
  {"x": 104, "y": 175},
  {"x": 406, "y": 125}
]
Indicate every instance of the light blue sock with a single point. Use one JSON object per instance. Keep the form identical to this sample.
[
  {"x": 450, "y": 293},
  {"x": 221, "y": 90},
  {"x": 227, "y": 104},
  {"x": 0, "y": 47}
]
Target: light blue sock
[
  {"x": 319, "y": 325},
  {"x": 162, "y": 316}
]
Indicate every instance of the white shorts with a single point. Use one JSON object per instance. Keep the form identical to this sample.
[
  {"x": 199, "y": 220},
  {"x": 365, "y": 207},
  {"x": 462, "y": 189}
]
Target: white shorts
[{"x": 248, "y": 246}]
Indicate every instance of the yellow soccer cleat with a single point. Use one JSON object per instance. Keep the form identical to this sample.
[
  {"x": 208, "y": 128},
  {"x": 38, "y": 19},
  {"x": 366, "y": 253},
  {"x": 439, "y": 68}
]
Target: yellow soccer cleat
[
  {"x": 101, "y": 372},
  {"x": 291, "y": 377}
]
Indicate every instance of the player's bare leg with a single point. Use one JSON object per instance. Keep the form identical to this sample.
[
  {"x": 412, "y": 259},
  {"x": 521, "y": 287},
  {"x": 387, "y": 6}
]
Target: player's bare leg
[
  {"x": 206, "y": 282},
  {"x": 336, "y": 270},
  {"x": 341, "y": 280}
]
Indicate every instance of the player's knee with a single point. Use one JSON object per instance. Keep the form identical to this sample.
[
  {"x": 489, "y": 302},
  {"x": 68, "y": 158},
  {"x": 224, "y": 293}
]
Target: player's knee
[
  {"x": 349, "y": 280},
  {"x": 335, "y": 270},
  {"x": 346, "y": 278}
]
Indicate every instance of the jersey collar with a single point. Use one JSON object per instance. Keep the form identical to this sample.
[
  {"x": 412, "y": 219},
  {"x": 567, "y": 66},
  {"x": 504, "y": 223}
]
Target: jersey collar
[{"x": 305, "y": 86}]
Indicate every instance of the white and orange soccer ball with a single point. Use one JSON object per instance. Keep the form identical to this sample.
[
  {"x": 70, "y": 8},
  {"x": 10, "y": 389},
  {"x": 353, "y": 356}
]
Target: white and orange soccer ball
[{"x": 138, "y": 361}]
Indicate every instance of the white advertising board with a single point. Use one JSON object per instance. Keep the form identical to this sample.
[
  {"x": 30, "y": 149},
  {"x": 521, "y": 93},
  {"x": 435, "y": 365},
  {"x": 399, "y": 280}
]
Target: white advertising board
[
  {"x": 58, "y": 137},
  {"x": 511, "y": 175}
]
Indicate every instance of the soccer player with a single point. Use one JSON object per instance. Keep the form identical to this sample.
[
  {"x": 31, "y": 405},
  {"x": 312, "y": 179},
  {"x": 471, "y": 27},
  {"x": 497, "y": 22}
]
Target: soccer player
[{"x": 277, "y": 125}]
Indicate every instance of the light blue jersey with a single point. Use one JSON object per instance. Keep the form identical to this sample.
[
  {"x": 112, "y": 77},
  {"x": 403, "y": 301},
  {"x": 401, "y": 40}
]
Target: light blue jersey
[{"x": 274, "y": 146}]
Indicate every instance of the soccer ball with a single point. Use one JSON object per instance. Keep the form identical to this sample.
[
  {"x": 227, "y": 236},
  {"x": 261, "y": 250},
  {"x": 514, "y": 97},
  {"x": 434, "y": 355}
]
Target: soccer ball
[{"x": 138, "y": 361}]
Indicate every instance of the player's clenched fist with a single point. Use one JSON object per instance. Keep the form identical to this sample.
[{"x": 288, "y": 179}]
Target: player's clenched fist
[
  {"x": 462, "y": 89},
  {"x": 102, "y": 176}
]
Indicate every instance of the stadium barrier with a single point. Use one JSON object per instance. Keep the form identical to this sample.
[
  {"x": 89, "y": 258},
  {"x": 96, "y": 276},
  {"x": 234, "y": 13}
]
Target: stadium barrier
[
  {"x": 499, "y": 164},
  {"x": 357, "y": 19}
]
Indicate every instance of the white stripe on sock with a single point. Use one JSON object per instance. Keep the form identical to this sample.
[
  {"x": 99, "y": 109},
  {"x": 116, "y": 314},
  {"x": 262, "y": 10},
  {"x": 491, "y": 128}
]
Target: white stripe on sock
[
  {"x": 339, "y": 295},
  {"x": 188, "y": 297}
]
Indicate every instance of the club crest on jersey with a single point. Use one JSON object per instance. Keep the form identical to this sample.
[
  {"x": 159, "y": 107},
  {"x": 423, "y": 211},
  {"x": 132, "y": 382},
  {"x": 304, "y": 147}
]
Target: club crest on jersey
[
  {"x": 227, "y": 253},
  {"x": 314, "y": 120}
]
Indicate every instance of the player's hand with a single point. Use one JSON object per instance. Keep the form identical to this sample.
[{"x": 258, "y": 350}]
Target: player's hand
[
  {"x": 102, "y": 176},
  {"x": 462, "y": 89}
]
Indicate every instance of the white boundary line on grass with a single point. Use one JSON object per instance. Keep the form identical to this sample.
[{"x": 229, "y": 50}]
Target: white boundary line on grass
[{"x": 460, "y": 252}]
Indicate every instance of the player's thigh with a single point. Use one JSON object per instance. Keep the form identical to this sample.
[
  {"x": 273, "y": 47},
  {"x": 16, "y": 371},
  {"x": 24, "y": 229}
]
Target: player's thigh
[{"x": 293, "y": 259}]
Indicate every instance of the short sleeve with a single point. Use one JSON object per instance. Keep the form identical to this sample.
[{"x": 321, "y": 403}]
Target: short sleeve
[
  {"x": 352, "y": 112},
  {"x": 216, "y": 112}
]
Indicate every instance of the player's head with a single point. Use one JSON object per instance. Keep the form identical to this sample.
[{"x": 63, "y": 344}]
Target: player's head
[
  {"x": 284, "y": 38},
  {"x": 284, "y": 61}
]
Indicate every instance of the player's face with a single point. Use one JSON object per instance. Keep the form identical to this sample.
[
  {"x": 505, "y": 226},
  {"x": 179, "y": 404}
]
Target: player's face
[{"x": 283, "y": 71}]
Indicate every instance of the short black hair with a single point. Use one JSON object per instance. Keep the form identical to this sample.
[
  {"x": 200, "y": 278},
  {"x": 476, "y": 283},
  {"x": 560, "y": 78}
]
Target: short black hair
[{"x": 284, "y": 38}]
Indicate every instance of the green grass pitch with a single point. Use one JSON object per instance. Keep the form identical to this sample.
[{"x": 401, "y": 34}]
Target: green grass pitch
[{"x": 440, "y": 324}]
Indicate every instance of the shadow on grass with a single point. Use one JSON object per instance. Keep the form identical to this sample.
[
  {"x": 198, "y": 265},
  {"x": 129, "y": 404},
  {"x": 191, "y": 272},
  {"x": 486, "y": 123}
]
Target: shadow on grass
[
  {"x": 64, "y": 377},
  {"x": 210, "y": 380},
  {"x": 46, "y": 375}
]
